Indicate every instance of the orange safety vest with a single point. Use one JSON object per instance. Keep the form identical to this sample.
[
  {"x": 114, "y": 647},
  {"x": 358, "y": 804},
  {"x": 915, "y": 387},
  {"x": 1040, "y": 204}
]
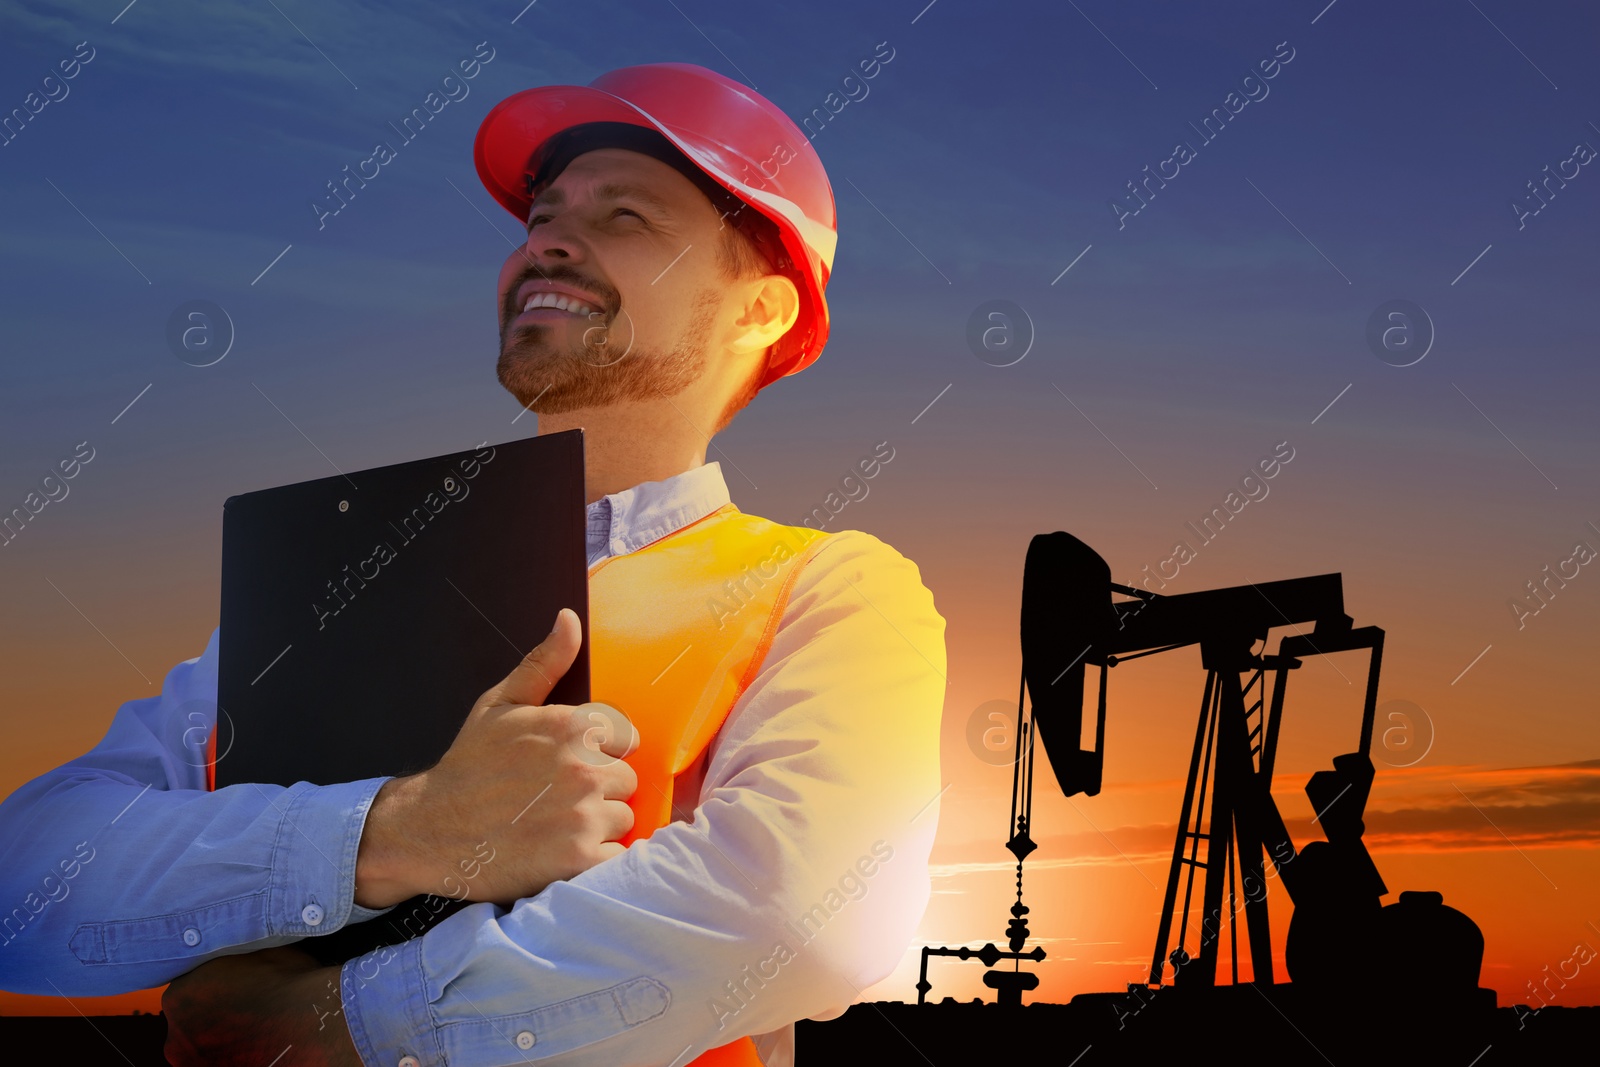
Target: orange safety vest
[{"x": 677, "y": 631}]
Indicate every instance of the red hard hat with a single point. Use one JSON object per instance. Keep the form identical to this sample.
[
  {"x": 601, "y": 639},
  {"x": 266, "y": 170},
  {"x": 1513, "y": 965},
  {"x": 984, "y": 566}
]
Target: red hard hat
[{"x": 737, "y": 137}]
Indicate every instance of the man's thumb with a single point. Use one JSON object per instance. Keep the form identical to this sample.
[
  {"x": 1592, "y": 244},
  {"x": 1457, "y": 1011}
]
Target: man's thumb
[{"x": 531, "y": 680}]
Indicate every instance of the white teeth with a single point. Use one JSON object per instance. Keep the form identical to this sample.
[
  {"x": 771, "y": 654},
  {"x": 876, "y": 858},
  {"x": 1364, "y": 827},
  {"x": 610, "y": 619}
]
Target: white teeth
[{"x": 556, "y": 300}]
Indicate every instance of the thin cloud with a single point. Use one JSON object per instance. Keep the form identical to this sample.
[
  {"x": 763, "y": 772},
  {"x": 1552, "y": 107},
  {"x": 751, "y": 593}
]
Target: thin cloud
[{"x": 1414, "y": 810}]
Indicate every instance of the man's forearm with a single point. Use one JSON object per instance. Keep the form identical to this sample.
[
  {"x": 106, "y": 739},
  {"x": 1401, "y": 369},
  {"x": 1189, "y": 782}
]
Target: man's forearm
[
  {"x": 176, "y": 876},
  {"x": 666, "y": 945},
  {"x": 178, "y": 873}
]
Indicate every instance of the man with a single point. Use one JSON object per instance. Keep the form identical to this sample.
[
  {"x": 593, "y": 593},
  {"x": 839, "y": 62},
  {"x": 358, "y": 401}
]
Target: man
[{"x": 627, "y": 912}]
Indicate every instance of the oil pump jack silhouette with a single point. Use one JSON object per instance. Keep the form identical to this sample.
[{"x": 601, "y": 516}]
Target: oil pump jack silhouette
[{"x": 1340, "y": 935}]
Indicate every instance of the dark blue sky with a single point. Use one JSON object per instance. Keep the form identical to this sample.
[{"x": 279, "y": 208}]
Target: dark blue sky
[{"x": 199, "y": 135}]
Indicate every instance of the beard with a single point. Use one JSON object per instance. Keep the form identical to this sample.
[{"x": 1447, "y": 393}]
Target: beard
[{"x": 548, "y": 376}]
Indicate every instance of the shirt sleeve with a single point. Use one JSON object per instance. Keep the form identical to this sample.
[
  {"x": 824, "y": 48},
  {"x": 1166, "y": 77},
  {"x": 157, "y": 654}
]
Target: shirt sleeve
[
  {"x": 797, "y": 882},
  {"x": 127, "y": 872}
]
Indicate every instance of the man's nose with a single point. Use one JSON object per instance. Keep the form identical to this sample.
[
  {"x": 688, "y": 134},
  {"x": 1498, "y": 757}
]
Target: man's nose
[{"x": 555, "y": 239}]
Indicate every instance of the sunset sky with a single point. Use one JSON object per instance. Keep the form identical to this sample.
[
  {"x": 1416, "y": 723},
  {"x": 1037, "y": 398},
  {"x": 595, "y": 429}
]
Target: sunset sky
[{"x": 1389, "y": 157}]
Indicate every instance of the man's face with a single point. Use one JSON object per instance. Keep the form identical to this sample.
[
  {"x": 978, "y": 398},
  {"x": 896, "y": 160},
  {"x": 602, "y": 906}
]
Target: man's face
[{"x": 629, "y": 245}]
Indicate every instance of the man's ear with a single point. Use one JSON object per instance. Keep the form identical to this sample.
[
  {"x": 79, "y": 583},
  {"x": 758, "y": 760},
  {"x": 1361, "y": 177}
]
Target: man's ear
[{"x": 771, "y": 305}]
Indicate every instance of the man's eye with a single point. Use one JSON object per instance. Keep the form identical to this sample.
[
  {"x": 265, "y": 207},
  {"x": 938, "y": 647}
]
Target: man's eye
[{"x": 535, "y": 220}]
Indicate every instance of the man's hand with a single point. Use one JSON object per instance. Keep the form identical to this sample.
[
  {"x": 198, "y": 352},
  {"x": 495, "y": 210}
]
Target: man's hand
[
  {"x": 528, "y": 794},
  {"x": 252, "y": 1008}
]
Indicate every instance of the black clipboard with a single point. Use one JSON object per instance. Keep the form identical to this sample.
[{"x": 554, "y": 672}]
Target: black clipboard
[{"x": 363, "y": 615}]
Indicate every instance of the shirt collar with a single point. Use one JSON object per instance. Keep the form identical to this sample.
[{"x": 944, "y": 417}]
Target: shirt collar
[{"x": 626, "y": 521}]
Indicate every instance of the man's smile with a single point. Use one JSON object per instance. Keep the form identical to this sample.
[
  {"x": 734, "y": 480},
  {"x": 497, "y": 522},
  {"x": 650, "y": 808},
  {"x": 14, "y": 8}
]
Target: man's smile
[
  {"x": 542, "y": 300},
  {"x": 553, "y": 302}
]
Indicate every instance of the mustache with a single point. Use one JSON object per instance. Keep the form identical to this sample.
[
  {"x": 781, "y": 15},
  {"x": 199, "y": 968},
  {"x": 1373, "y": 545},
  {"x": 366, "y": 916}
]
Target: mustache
[{"x": 609, "y": 298}]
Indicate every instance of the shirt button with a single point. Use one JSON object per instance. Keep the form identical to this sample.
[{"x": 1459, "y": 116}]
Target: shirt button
[
  {"x": 525, "y": 1039},
  {"x": 311, "y": 915},
  {"x": 409, "y": 1061},
  {"x": 191, "y": 937}
]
